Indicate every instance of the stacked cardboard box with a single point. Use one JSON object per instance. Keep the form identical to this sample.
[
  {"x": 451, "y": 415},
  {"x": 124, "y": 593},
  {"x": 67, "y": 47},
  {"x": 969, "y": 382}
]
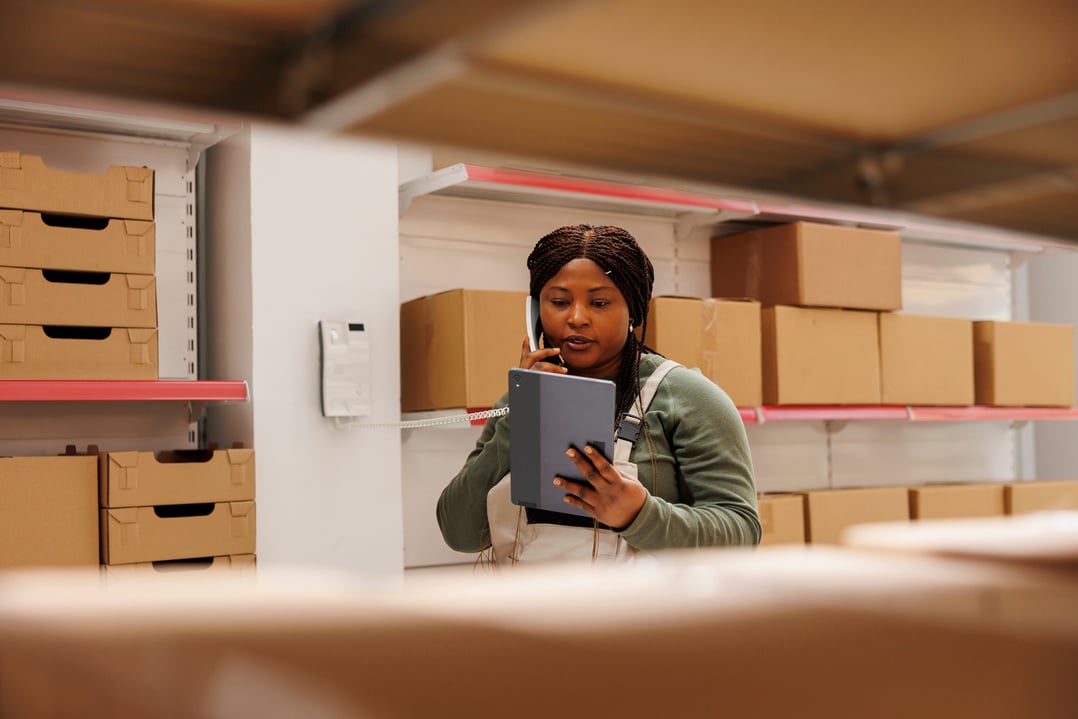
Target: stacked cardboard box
[
  {"x": 721, "y": 337},
  {"x": 831, "y": 333},
  {"x": 48, "y": 511},
  {"x": 821, "y": 287},
  {"x": 823, "y": 516},
  {"x": 78, "y": 295},
  {"x": 177, "y": 506},
  {"x": 458, "y": 346}
]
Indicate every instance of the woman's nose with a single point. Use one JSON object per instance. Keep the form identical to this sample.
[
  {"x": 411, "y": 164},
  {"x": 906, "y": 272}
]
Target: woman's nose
[{"x": 578, "y": 315}]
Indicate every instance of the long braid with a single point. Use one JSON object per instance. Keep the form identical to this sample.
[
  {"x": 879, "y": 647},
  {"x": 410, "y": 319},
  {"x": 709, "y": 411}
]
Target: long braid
[{"x": 618, "y": 254}]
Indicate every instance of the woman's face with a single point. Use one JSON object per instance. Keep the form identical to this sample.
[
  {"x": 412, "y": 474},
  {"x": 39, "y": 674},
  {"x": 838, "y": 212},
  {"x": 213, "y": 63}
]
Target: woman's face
[{"x": 585, "y": 315}]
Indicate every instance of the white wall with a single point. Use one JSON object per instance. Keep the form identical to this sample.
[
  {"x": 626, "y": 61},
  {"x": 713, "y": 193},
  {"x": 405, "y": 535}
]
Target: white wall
[
  {"x": 1053, "y": 297},
  {"x": 302, "y": 228}
]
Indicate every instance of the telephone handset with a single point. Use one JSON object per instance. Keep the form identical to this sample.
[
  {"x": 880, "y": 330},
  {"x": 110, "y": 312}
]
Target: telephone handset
[{"x": 531, "y": 318}]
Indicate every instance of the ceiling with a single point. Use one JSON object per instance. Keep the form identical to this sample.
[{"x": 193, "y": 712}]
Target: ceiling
[{"x": 965, "y": 109}]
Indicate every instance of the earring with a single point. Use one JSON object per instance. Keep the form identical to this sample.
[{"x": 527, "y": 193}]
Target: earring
[{"x": 630, "y": 326}]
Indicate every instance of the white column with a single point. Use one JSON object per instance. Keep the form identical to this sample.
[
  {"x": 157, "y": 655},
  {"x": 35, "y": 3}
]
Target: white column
[{"x": 301, "y": 228}]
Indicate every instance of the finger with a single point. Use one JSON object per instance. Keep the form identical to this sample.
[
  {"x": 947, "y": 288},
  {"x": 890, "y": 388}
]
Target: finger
[
  {"x": 530, "y": 360},
  {"x": 587, "y": 463},
  {"x": 602, "y": 465},
  {"x": 576, "y": 493}
]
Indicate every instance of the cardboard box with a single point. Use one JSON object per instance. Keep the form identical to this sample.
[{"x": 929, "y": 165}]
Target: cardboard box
[
  {"x": 210, "y": 567},
  {"x": 35, "y": 352},
  {"x": 954, "y": 501},
  {"x": 457, "y": 348},
  {"x": 782, "y": 518},
  {"x": 188, "y": 531},
  {"x": 1024, "y": 364},
  {"x": 817, "y": 356},
  {"x": 862, "y": 635},
  {"x": 142, "y": 479},
  {"x": 122, "y": 192},
  {"x": 87, "y": 244},
  {"x": 810, "y": 265},
  {"x": 48, "y": 511},
  {"x": 925, "y": 360},
  {"x": 30, "y": 296},
  {"x": 721, "y": 337},
  {"x": 1040, "y": 496},
  {"x": 829, "y": 512}
]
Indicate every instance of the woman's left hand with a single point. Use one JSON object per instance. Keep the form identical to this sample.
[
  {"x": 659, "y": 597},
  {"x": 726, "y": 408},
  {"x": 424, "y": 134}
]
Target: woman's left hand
[{"x": 612, "y": 498}]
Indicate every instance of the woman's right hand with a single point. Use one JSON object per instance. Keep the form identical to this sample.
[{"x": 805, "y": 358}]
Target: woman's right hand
[{"x": 544, "y": 359}]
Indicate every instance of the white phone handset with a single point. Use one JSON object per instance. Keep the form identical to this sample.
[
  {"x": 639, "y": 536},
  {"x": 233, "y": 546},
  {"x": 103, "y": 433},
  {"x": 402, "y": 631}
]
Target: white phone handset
[{"x": 531, "y": 318}]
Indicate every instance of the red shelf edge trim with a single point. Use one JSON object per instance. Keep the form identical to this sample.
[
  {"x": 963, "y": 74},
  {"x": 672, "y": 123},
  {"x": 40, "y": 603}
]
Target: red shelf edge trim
[{"x": 32, "y": 390}]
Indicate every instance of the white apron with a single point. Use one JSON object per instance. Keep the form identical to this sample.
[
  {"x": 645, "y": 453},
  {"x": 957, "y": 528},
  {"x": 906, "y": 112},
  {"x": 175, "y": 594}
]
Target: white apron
[{"x": 513, "y": 540}]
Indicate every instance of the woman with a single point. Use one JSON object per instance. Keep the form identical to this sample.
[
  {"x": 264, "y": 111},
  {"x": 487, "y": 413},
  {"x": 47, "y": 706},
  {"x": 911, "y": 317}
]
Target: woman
[{"x": 695, "y": 485}]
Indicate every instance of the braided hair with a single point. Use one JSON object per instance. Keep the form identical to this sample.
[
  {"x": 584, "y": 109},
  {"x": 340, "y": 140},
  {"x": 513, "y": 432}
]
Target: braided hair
[{"x": 621, "y": 258}]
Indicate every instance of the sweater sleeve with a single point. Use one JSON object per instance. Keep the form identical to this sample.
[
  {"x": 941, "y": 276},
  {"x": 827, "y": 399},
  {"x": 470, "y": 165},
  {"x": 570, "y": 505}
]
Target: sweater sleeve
[
  {"x": 462, "y": 506},
  {"x": 717, "y": 502}
]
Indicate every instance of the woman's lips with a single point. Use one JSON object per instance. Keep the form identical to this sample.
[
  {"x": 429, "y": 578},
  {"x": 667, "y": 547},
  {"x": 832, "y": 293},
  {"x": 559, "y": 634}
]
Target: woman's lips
[{"x": 576, "y": 344}]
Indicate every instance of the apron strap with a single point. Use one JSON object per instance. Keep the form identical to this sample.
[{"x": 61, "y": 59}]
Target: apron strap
[{"x": 624, "y": 446}]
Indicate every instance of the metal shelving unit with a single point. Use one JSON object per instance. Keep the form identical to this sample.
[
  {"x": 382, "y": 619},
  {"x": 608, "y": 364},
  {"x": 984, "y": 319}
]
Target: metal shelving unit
[{"x": 704, "y": 205}]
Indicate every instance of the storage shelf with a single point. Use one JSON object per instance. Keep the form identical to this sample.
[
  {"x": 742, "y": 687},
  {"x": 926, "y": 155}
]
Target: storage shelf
[
  {"x": 123, "y": 390},
  {"x": 479, "y": 182},
  {"x": 827, "y": 413},
  {"x": 541, "y": 188}
]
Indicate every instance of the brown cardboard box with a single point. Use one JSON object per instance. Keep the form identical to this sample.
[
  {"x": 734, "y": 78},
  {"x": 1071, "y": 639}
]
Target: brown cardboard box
[
  {"x": 864, "y": 634},
  {"x": 27, "y": 240},
  {"x": 150, "y": 534},
  {"x": 721, "y": 337},
  {"x": 925, "y": 360},
  {"x": 457, "y": 348},
  {"x": 34, "y": 352},
  {"x": 1024, "y": 364},
  {"x": 30, "y": 296},
  {"x": 182, "y": 568},
  {"x": 122, "y": 192},
  {"x": 817, "y": 356},
  {"x": 1040, "y": 496},
  {"x": 953, "y": 501},
  {"x": 811, "y": 265},
  {"x": 144, "y": 479},
  {"x": 782, "y": 518},
  {"x": 829, "y": 512},
  {"x": 48, "y": 511}
]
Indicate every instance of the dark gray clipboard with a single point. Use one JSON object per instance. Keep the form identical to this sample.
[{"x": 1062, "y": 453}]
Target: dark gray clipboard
[{"x": 549, "y": 413}]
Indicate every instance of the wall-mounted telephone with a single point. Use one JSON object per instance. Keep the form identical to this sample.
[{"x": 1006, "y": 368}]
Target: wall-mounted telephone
[{"x": 531, "y": 318}]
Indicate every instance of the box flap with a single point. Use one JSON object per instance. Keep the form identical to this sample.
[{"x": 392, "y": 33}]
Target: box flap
[
  {"x": 124, "y": 515},
  {"x": 137, "y": 228},
  {"x": 123, "y": 459},
  {"x": 139, "y": 282},
  {"x": 11, "y": 160},
  {"x": 13, "y": 332},
  {"x": 141, "y": 335},
  {"x": 13, "y": 275},
  {"x": 11, "y": 217},
  {"x": 241, "y": 509}
]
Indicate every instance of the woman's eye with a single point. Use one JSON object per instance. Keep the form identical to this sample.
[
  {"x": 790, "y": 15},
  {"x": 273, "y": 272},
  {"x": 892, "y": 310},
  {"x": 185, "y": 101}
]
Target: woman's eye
[
  {"x": 600, "y": 303},
  {"x": 559, "y": 303}
]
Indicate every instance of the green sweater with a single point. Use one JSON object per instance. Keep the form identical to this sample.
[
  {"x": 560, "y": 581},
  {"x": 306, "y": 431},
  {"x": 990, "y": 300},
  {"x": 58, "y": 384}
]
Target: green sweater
[{"x": 702, "y": 494}]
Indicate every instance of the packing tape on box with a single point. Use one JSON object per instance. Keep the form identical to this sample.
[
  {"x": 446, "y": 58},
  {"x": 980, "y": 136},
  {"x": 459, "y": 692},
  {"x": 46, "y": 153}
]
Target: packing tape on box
[{"x": 709, "y": 359}]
